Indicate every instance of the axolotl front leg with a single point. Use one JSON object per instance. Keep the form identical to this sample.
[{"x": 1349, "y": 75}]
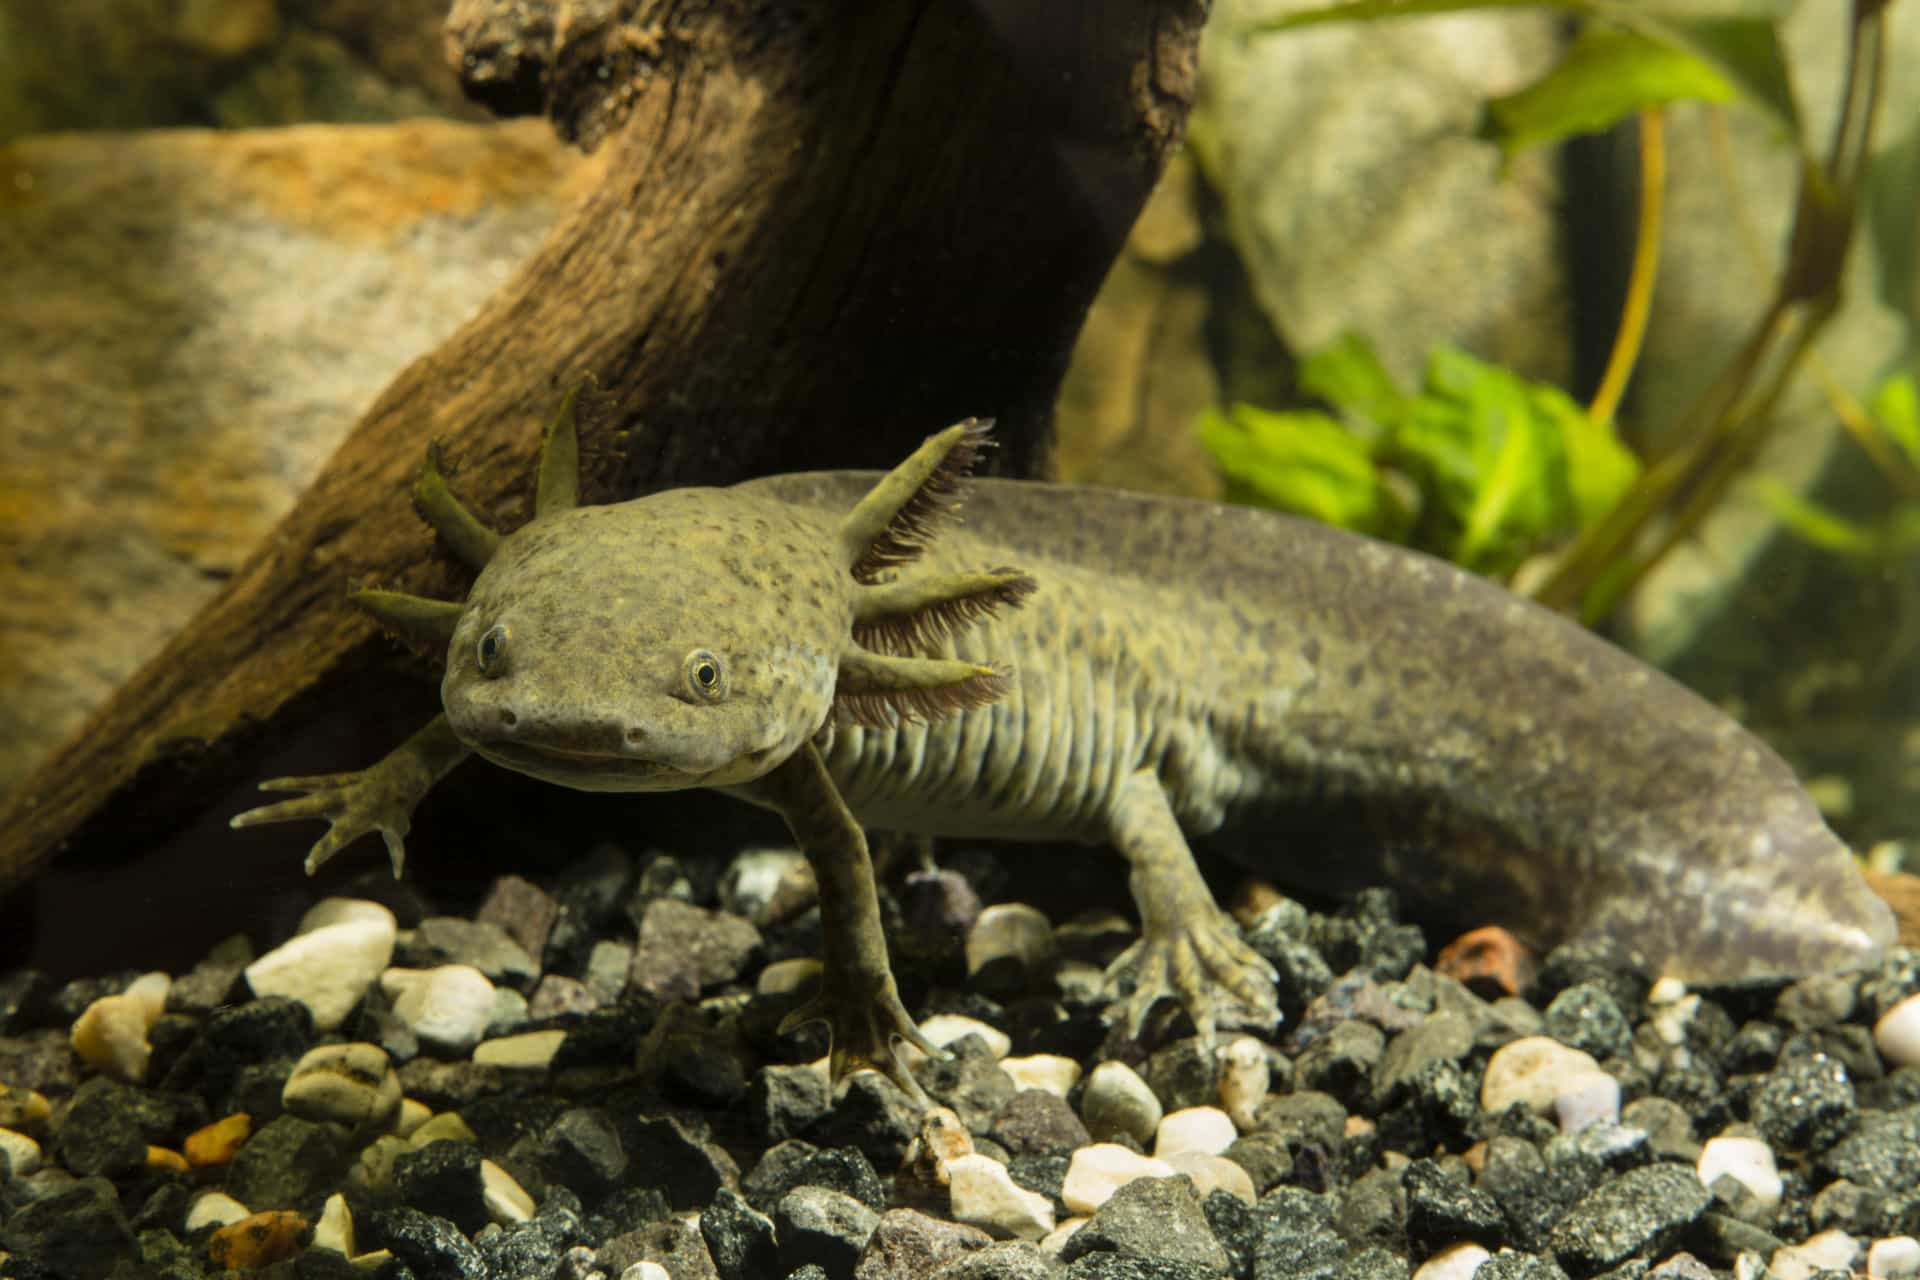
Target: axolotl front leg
[
  {"x": 381, "y": 797},
  {"x": 858, "y": 998}
]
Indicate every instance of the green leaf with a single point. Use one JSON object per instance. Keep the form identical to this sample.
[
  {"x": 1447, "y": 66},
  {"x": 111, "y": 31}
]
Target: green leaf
[
  {"x": 1600, "y": 469},
  {"x": 1376, "y": 10},
  {"x": 1300, "y": 461},
  {"x": 1347, "y": 374},
  {"x": 1811, "y": 522},
  {"x": 1607, "y": 75},
  {"x": 1896, "y": 411}
]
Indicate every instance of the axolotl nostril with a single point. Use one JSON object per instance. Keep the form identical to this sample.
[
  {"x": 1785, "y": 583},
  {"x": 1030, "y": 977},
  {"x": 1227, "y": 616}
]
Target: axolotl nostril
[{"x": 1155, "y": 674}]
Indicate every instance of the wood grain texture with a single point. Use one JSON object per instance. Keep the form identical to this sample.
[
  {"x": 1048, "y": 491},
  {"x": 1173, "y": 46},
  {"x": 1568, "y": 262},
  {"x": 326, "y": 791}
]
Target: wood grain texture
[{"x": 823, "y": 232}]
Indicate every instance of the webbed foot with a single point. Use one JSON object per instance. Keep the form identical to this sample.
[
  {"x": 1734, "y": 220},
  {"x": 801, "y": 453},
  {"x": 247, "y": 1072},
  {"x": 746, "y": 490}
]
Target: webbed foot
[
  {"x": 866, "y": 1019},
  {"x": 378, "y": 798},
  {"x": 1193, "y": 963},
  {"x": 354, "y": 805}
]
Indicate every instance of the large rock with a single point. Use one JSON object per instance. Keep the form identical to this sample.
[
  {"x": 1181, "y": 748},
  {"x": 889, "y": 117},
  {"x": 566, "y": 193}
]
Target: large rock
[{"x": 193, "y": 321}]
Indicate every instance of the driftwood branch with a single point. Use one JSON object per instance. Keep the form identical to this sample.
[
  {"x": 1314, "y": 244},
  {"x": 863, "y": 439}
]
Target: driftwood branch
[{"x": 823, "y": 232}]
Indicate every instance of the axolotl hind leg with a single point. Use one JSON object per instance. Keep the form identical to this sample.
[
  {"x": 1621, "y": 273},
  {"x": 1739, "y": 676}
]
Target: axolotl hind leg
[{"x": 1188, "y": 948}]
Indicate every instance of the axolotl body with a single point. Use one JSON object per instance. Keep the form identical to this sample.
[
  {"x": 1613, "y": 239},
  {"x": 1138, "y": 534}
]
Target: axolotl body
[{"x": 1325, "y": 710}]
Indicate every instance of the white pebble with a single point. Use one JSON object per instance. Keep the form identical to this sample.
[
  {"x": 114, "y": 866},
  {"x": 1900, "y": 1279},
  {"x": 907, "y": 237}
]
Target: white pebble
[
  {"x": 646, "y": 1269},
  {"x": 1898, "y": 1033},
  {"x": 445, "y": 1127},
  {"x": 1455, "y": 1262},
  {"x": 1828, "y": 1251},
  {"x": 1894, "y": 1258},
  {"x": 331, "y": 965},
  {"x": 1096, "y": 1172},
  {"x": 1215, "y": 1173},
  {"x": 448, "y": 1007},
  {"x": 22, "y": 1154},
  {"x": 530, "y": 1050},
  {"x": 1011, "y": 929},
  {"x": 1048, "y": 1071},
  {"x": 1587, "y": 1098},
  {"x": 983, "y": 1194},
  {"x": 1204, "y": 1129},
  {"x": 507, "y": 1201},
  {"x": 946, "y": 1028},
  {"x": 352, "y": 1084},
  {"x": 335, "y": 1229},
  {"x": 110, "y": 1035},
  {"x": 1666, "y": 991},
  {"x": 1056, "y": 1239},
  {"x": 214, "y": 1209},
  {"x": 1244, "y": 1079},
  {"x": 150, "y": 991},
  {"x": 1533, "y": 1070},
  {"x": 1117, "y": 1101},
  {"x": 1748, "y": 1161},
  {"x": 786, "y": 977}
]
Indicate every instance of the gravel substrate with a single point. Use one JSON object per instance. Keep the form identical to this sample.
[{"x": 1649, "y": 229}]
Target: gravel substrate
[{"x": 584, "y": 1080}]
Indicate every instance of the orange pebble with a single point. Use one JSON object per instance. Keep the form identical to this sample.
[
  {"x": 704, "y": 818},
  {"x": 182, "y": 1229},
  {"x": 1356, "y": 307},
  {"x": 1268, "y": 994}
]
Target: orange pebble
[
  {"x": 1488, "y": 958},
  {"x": 258, "y": 1240},
  {"x": 162, "y": 1158},
  {"x": 216, "y": 1143}
]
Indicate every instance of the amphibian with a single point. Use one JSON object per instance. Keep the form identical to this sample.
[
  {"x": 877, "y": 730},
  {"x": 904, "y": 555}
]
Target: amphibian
[{"x": 1153, "y": 673}]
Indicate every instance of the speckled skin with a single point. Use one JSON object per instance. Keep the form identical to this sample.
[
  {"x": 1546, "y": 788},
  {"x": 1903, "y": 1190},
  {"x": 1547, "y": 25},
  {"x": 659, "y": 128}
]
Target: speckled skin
[
  {"x": 1326, "y": 710},
  {"x": 1332, "y": 713}
]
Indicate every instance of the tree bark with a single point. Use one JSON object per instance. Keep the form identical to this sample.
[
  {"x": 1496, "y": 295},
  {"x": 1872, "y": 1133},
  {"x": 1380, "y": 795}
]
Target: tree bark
[{"x": 824, "y": 231}]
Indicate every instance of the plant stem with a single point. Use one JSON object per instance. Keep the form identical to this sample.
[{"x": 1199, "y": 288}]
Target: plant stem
[{"x": 1638, "y": 304}]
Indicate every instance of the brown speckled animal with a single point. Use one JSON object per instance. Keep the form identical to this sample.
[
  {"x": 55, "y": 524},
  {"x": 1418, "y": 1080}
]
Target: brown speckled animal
[{"x": 1325, "y": 710}]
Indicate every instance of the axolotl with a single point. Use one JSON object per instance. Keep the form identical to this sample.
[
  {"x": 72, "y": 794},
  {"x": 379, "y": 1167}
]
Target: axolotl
[{"x": 1058, "y": 663}]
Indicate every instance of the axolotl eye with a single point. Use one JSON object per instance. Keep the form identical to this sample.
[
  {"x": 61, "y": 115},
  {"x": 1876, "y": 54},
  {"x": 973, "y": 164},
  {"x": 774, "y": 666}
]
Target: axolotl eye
[
  {"x": 706, "y": 675},
  {"x": 492, "y": 650}
]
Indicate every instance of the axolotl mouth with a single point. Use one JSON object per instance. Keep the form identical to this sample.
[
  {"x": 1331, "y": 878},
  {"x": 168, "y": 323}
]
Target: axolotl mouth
[{"x": 589, "y": 770}]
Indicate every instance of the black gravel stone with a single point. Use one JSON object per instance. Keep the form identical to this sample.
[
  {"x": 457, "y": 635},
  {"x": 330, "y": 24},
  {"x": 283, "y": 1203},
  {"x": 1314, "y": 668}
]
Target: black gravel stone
[
  {"x": 1441, "y": 1108},
  {"x": 824, "y": 1227},
  {"x": 78, "y": 1231},
  {"x": 1754, "y": 1047},
  {"x": 1044, "y": 1174},
  {"x": 1638, "y": 1213},
  {"x": 1690, "y": 1079},
  {"x": 1303, "y": 1118},
  {"x": 432, "y": 1247},
  {"x": 1849, "y": 1207},
  {"x": 1443, "y": 1210},
  {"x": 1882, "y": 1152},
  {"x": 1265, "y": 1157},
  {"x": 443, "y": 1179},
  {"x": 1236, "y": 1226},
  {"x": 1806, "y": 1104},
  {"x": 41, "y": 1060},
  {"x": 795, "y": 1163},
  {"x": 1373, "y": 1212},
  {"x": 581, "y": 1149},
  {"x": 1342, "y": 1062},
  {"x": 1302, "y": 975},
  {"x": 236, "y": 1037},
  {"x": 1445, "y": 1037},
  {"x": 1035, "y": 1122},
  {"x": 783, "y": 1102},
  {"x": 1159, "y": 1219},
  {"x": 969, "y": 1080},
  {"x": 607, "y": 1036},
  {"x": 1586, "y": 1017},
  {"x": 740, "y": 1239},
  {"x": 872, "y": 1115},
  {"x": 1007, "y": 1260},
  {"x": 535, "y": 1247},
  {"x": 630, "y": 1208},
  {"x": 1515, "y": 1265},
  {"x": 1723, "y": 1237},
  {"x": 108, "y": 1126},
  {"x": 687, "y": 1167},
  {"x": 1367, "y": 935},
  {"x": 1373, "y": 1264},
  {"x": 1183, "y": 1074},
  {"x": 1823, "y": 1000},
  {"x": 1515, "y": 1174},
  {"x": 286, "y": 1163},
  {"x": 1297, "y": 1240},
  {"x": 1573, "y": 963}
]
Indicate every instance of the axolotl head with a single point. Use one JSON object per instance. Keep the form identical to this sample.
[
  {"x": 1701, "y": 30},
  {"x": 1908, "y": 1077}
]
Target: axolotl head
[
  {"x": 698, "y": 637},
  {"x": 692, "y": 638}
]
